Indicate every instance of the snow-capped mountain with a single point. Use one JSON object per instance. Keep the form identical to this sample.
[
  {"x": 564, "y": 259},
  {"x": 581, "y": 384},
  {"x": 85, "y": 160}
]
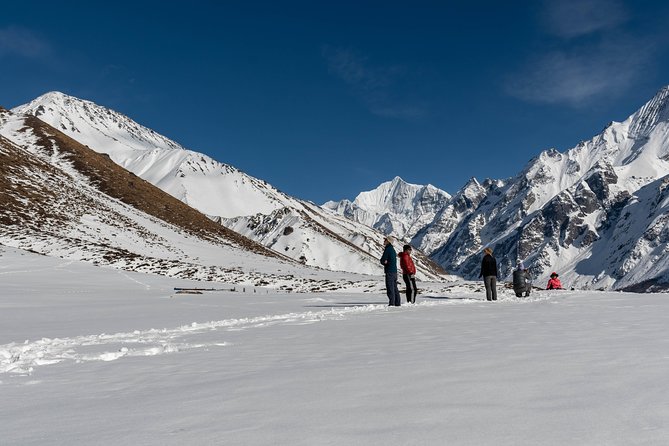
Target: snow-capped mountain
[
  {"x": 596, "y": 213},
  {"x": 252, "y": 207},
  {"x": 62, "y": 199},
  {"x": 209, "y": 186},
  {"x": 395, "y": 208},
  {"x": 564, "y": 210}
]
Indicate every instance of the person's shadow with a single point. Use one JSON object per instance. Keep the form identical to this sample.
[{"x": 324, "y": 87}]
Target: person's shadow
[
  {"x": 447, "y": 298},
  {"x": 346, "y": 304}
]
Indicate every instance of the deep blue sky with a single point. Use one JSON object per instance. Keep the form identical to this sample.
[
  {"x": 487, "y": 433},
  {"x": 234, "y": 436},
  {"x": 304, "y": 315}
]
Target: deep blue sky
[{"x": 327, "y": 99}]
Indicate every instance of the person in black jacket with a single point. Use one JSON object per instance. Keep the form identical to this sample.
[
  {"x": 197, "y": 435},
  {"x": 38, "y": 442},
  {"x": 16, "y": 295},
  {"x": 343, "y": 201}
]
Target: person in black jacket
[{"x": 489, "y": 274}]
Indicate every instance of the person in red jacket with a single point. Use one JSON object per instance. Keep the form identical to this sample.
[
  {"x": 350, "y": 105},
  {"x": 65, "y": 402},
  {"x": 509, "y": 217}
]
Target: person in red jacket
[
  {"x": 554, "y": 282},
  {"x": 408, "y": 273}
]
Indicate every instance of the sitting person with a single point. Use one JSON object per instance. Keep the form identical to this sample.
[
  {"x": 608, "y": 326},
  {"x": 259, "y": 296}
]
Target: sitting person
[
  {"x": 554, "y": 282},
  {"x": 522, "y": 283}
]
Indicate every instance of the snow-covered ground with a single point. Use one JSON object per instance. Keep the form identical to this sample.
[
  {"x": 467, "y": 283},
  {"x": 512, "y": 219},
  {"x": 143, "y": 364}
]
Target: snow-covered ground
[{"x": 100, "y": 356}]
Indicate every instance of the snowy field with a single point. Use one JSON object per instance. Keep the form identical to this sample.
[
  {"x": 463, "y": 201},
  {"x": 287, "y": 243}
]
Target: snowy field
[{"x": 93, "y": 356}]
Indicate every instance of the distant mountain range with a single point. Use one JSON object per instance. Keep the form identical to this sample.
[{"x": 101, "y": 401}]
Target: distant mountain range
[{"x": 597, "y": 213}]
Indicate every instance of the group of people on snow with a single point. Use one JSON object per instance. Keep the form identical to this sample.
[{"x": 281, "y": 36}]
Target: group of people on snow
[
  {"x": 522, "y": 281},
  {"x": 389, "y": 262}
]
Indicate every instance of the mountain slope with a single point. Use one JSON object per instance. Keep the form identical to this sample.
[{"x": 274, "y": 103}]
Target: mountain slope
[
  {"x": 291, "y": 227},
  {"x": 213, "y": 188},
  {"x": 62, "y": 199}
]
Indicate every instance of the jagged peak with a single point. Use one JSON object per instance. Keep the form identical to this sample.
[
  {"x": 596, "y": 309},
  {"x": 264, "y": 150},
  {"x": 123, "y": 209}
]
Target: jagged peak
[
  {"x": 434, "y": 190},
  {"x": 471, "y": 188},
  {"x": 650, "y": 114},
  {"x": 397, "y": 184},
  {"x": 539, "y": 162},
  {"x": 387, "y": 186},
  {"x": 552, "y": 153},
  {"x": 491, "y": 182},
  {"x": 472, "y": 182}
]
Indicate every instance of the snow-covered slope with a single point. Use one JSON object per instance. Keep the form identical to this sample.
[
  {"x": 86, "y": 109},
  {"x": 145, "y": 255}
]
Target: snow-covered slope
[
  {"x": 58, "y": 197},
  {"x": 211, "y": 187},
  {"x": 571, "y": 212},
  {"x": 252, "y": 207}
]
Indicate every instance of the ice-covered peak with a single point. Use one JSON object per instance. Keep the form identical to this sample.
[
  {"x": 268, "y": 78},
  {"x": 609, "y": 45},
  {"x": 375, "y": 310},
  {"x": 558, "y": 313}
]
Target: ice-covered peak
[
  {"x": 469, "y": 196},
  {"x": 396, "y": 196},
  {"x": 379, "y": 198},
  {"x": 650, "y": 114},
  {"x": 395, "y": 207},
  {"x": 471, "y": 185}
]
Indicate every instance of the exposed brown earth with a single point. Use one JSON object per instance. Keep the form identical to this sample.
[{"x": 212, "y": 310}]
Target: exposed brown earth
[{"x": 16, "y": 191}]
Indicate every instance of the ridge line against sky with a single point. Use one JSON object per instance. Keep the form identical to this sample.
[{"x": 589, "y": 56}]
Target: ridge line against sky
[{"x": 324, "y": 101}]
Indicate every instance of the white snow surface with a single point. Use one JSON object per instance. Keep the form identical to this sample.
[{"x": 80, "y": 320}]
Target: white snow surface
[{"x": 100, "y": 356}]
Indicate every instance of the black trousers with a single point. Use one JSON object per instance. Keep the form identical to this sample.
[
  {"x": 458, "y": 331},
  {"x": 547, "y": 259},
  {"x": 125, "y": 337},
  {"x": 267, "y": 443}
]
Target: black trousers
[{"x": 411, "y": 288}]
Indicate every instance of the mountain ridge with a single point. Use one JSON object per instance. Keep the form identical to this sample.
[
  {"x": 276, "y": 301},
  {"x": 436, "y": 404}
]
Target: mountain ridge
[
  {"x": 307, "y": 234},
  {"x": 562, "y": 206},
  {"x": 562, "y": 211}
]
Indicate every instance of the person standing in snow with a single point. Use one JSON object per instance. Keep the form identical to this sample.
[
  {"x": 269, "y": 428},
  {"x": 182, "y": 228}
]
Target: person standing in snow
[
  {"x": 408, "y": 273},
  {"x": 554, "y": 283},
  {"x": 389, "y": 262},
  {"x": 489, "y": 274},
  {"x": 521, "y": 280}
]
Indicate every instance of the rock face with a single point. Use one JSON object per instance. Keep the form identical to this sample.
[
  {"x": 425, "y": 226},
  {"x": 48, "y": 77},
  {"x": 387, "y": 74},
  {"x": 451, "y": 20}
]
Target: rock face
[{"x": 596, "y": 213}]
